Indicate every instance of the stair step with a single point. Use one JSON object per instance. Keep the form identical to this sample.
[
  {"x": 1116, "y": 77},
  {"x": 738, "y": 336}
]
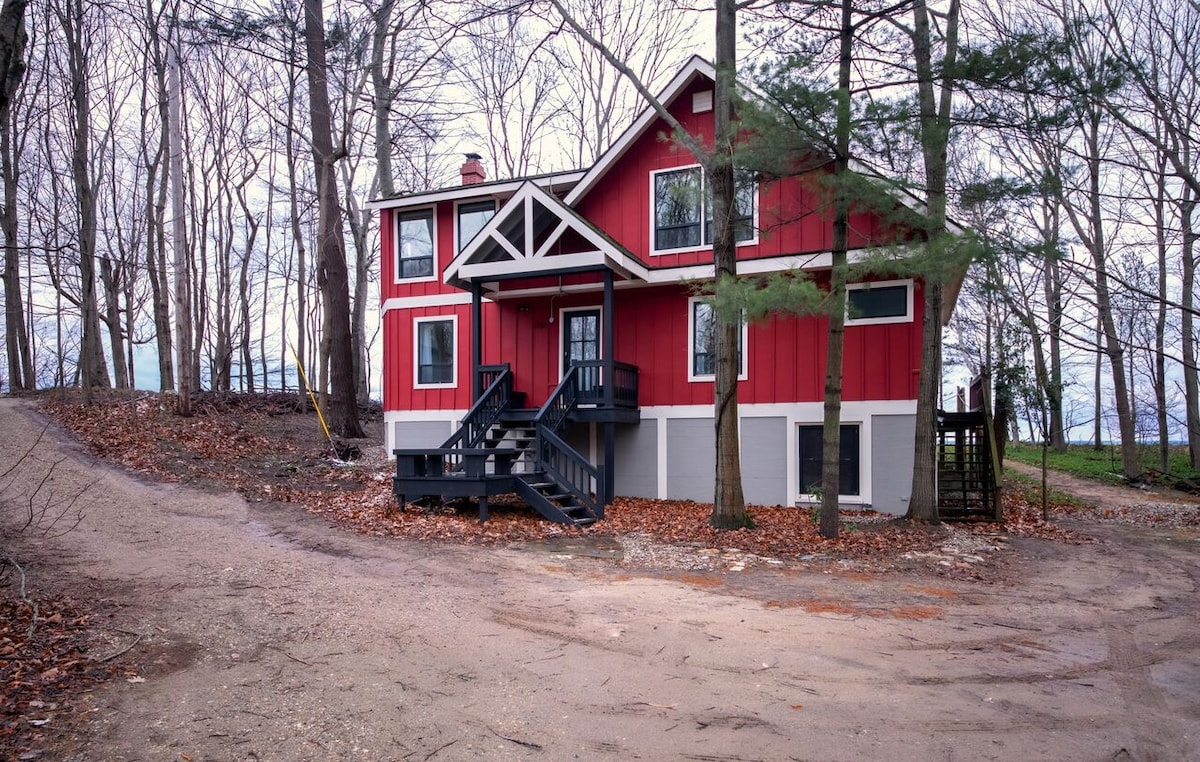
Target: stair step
[{"x": 521, "y": 442}]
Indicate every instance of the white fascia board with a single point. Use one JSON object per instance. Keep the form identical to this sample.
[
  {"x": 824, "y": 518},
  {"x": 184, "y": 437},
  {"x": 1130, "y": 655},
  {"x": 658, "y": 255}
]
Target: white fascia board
[
  {"x": 432, "y": 300},
  {"x": 816, "y": 261},
  {"x": 533, "y": 267},
  {"x": 695, "y": 65},
  {"x": 479, "y": 190}
]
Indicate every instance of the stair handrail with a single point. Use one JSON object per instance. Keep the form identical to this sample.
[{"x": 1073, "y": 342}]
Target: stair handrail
[
  {"x": 553, "y": 414},
  {"x": 570, "y": 470},
  {"x": 486, "y": 411},
  {"x": 557, "y": 458}
]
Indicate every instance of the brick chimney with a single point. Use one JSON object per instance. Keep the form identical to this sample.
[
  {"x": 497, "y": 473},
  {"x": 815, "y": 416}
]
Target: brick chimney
[{"x": 472, "y": 170}]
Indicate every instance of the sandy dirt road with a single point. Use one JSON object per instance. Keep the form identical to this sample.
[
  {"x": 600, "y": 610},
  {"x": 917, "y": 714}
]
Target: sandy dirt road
[{"x": 268, "y": 635}]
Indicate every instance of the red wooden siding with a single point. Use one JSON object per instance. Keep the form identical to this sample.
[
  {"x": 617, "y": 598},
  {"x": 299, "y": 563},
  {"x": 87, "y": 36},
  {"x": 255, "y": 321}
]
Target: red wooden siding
[
  {"x": 786, "y": 357},
  {"x": 398, "y": 391},
  {"x": 793, "y": 216},
  {"x": 443, "y": 229}
]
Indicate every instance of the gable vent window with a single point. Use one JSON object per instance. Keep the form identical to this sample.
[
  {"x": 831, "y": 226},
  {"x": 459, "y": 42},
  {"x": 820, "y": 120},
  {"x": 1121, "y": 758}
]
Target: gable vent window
[{"x": 702, "y": 101}]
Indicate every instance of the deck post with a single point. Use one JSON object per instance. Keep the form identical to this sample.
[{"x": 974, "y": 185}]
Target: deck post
[
  {"x": 610, "y": 381},
  {"x": 476, "y": 339},
  {"x": 609, "y": 377}
]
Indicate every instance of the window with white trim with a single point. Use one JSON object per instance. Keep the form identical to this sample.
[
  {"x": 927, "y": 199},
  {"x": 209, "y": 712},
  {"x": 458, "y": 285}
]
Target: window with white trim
[
  {"x": 702, "y": 342},
  {"x": 682, "y": 213},
  {"x": 879, "y": 302},
  {"x": 472, "y": 217},
  {"x": 415, "y": 248},
  {"x": 434, "y": 340},
  {"x": 812, "y": 449}
]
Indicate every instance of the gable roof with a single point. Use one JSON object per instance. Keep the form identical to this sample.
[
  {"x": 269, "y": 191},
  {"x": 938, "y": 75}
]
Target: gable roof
[
  {"x": 555, "y": 181},
  {"x": 695, "y": 67},
  {"x": 521, "y": 238}
]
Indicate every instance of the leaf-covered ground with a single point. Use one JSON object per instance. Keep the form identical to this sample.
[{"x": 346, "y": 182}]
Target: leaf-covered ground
[
  {"x": 44, "y": 666},
  {"x": 266, "y": 450}
]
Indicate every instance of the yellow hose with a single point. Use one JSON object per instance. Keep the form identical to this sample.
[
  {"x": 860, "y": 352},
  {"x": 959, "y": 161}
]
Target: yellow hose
[{"x": 313, "y": 397}]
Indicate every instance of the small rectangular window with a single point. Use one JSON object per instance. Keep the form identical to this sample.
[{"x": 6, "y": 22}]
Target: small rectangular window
[
  {"x": 882, "y": 302},
  {"x": 435, "y": 352},
  {"x": 414, "y": 244},
  {"x": 812, "y": 451},
  {"x": 702, "y": 352},
  {"x": 471, "y": 219}
]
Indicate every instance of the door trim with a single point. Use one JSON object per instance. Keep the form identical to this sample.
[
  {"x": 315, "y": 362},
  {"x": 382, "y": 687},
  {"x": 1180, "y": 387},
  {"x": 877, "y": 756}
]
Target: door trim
[{"x": 562, "y": 322}]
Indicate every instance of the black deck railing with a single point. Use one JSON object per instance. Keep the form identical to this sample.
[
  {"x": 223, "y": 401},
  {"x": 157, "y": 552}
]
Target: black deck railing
[
  {"x": 566, "y": 466},
  {"x": 571, "y": 471},
  {"x": 595, "y": 389},
  {"x": 496, "y": 381}
]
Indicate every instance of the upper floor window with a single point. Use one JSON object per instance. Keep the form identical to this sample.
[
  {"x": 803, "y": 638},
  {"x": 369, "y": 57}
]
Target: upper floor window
[
  {"x": 683, "y": 216},
  {"x": 414, "y": 245},
  {"x": 471, "y": 219},
  {"x": 702, "y": 351},
  {"x": 879, "y": 302}
]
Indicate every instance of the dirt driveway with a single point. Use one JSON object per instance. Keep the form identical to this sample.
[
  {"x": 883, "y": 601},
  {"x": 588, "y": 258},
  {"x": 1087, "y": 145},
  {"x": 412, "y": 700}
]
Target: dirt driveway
[{"x": 267, "y": 635}]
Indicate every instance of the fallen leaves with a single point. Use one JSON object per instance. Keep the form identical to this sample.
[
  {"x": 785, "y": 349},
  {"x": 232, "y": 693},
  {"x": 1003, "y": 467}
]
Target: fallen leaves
[
  {"x": 42, "y": 669},
  {"x": 233, "y": 440}
]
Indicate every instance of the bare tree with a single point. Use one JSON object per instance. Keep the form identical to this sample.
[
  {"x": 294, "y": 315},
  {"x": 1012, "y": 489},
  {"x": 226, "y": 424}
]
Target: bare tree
[
  {"x": 12, "y": 70},
  {"x": 185, "y": 371},
  {"x": 333, "y": 276},
  {"x": 729, "y": 505},
  {"x": 76, "y": 25},
  {"x": 646, "y": 36},
  {"x": 510, "y": 78}
]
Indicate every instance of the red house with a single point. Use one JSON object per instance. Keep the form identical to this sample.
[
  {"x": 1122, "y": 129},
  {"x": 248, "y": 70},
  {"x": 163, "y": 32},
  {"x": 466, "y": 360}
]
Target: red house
[{"x": 541, "y": 335}]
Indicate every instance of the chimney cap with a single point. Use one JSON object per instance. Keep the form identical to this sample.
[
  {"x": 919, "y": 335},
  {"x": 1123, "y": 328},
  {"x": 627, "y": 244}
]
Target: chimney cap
[{"x": 473, "y": 156}]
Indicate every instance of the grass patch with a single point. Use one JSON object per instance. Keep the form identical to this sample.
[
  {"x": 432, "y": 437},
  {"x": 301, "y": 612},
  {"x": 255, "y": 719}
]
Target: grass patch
[{"x": 1103, "y": 464}]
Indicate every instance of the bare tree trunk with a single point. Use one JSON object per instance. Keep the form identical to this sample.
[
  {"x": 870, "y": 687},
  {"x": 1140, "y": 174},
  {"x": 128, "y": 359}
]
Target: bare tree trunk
[
  {"x": 1160, "y": 317},
  {"x": 382, "y": 89},
  {"x": 935, "y": 134},
  {"x": 1098, "y": 388},
  {"x": 298, "y": 241},
  {"x": 93, "y": 372},
  {"x": 186, "y": 382},
  {"x": 110, "y": 279},
  {"x": 729, "y": 503},
  {"x": 1191, "y": 377},
  {"x": 12, "y": 68},
  {"x": 334, "y": 275},
  {"x": 831, "y": 435},
  {"x": 359, "y": 221},
  {"x": 1054, "y": 387},
  {"x": 157, "y": 178},
  {"x": 1112, "y": 341}
]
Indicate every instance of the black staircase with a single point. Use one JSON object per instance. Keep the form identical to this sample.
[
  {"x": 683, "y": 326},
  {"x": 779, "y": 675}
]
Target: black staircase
[
  {"x": 565, "y": 487},
  {"x": 501, "y": 447},
  {"x": 968, "y": 471}
]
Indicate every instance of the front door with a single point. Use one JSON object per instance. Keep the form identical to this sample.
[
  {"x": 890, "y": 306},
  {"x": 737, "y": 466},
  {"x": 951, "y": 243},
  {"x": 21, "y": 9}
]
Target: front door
[{"x": 581, "y": 341}]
